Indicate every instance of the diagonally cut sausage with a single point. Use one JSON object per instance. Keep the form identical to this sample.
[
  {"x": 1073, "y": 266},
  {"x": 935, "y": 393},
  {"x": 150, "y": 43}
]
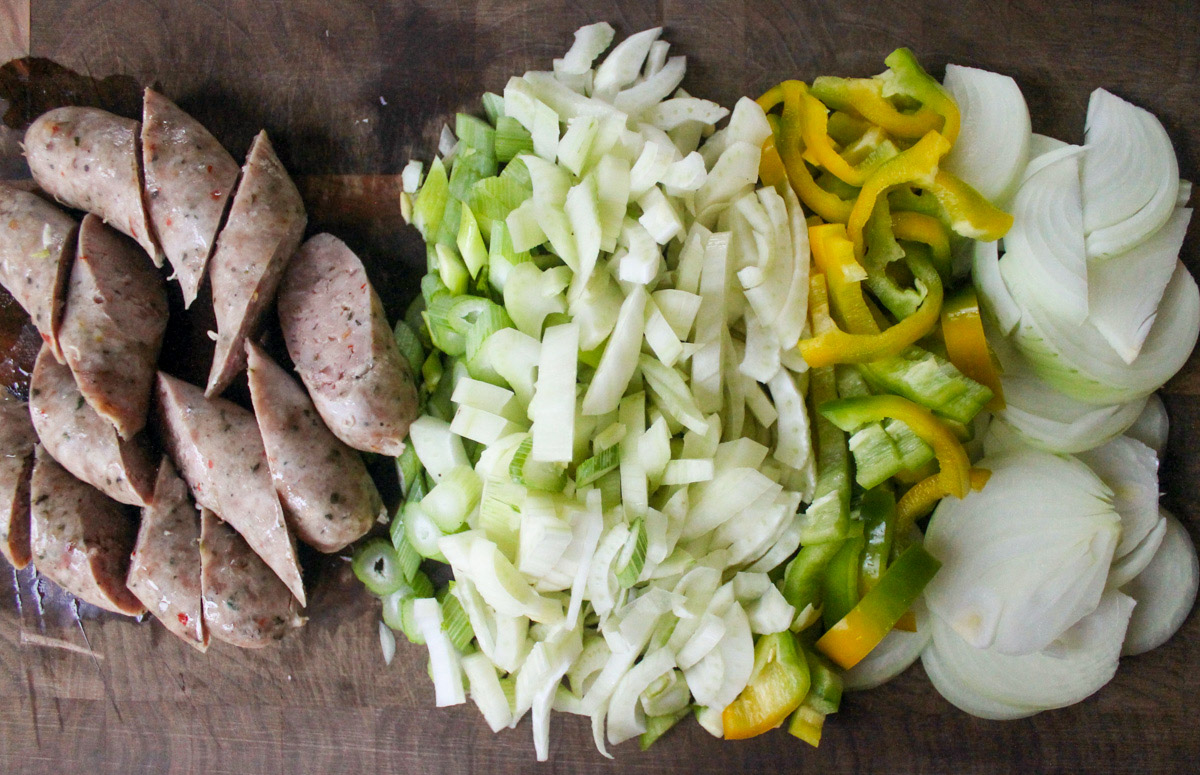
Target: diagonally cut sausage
[
  {"x": 113, "y": 327},
  {"x": 339, "y": 339},
  {"x": 245, "y": 604},
  {"x": 164, "y": 572},
  {"x": 87, "y": 158},
  {"x": 327, "y": 494},
  {"x": 82, "y": 441},
  {"x": 37, "y": 241},
  {"x": 81, "y": 538},
  {"x": 189, "y": 178},
  {"x": 266, "y": 222},
  {"x": 218, "y": 450},
  {"x": 17, "y": 440}
]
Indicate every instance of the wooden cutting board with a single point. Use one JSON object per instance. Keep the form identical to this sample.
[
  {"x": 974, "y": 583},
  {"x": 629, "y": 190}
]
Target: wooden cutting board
[{"x": 349, "y": 91}]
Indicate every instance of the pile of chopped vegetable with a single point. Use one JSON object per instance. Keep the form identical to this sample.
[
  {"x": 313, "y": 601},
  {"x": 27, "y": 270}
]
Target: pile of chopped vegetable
[{"x": 688, "y": 391}]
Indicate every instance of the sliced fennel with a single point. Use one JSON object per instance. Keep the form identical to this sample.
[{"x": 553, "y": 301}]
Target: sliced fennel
[{"x": 611, "y": 308}]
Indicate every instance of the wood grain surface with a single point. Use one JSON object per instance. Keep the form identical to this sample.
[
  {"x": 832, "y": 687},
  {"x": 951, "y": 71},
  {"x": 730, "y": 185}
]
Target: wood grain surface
[{"x": 349, "y": 91}]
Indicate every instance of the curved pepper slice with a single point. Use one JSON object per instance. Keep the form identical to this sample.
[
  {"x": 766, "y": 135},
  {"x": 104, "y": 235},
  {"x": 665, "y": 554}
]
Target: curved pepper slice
[
  {"x": 906, "y": 76},
  {"x": 864, "y": 97},
  {"x": 824, "y": 203},
  {"x": 833, "y": 255},
  {"x": 836, "y": 346},
  {"x": 970, "y": 214},
  {"x": 925, "y": 494},
  {"x": 824, "y": 697},
  {"x": 850, "y": 414},
  {"x": 777, "y": 686},
  {"x": 917, "y": 164},
  {"x": 916, "y": 227},
  {"x": 770, "y": 169},
  {"x": 819, "y": 146},
  {"x": 861, "y": 630},
  {"x": 966, "y": 343}
]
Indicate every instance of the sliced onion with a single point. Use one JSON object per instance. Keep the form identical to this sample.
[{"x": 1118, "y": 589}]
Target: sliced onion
[
  {"x": 1078, "y": 360},
  {"x": 1126, "y": 568},
  {"x": 1048, "y": 418},
  {"x": 1040, "y": 145},
  {"x": 962, "y": 696},
  {"x": 1130, "y": 469},
  {"x": 1130, "y": 174},
  {"x": 1124, "y": 316},
  {"x": 993, "y": 142},
  {"x": 985, "y": 273},
  {"x": 1026, "y": 557},
  {"x": 1047, "y": 238},
  {"x": 892, "y": 656},
  {"x": 1165, "y": 591},
  {"x": 1152, "y": 425},
  {"x": 1084, "y": 661}
]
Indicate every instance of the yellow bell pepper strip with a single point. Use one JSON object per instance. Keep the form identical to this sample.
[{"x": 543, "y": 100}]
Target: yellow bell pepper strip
[
  {"x": 906, "y": 77},
  {"x": 833, "y": 255},
  {"x": 925, "y": 494},
  {"x": 819, "y": 145},
  {"x": 917, "y": 164},
  {"x": 915, "y": 227},
  {"x": 824, "y": 697},
  {"x": 870, "y": 142},
  {"x": 878, "y": 509},
  {"x": 837, "y": 346},
  {"x": 771, "y": 98},
  {"x": 969, "y": 213},
  {"x": 777, "y": 686},
  {"x": 846, "y": 128},
  {"x": 770, "y": 169},
  {"x": 839, "y": 587},
  {"x": 864, "y": 97},
  {"x": 966, "y": 343},
  {"x": 852, "y": 638},
  {"x": 849, "y": 414},
  {"x": 826, "y": 204}
]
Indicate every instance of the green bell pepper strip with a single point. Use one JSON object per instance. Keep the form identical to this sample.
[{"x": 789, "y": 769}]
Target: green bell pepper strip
[
  {"x": 907, "y": 78},
  {"x": 839, "y": 587},
  {"x": 777, "y": 686},
  {"x": 849, "y": 414},
  {"x": 852, "y": 638},
  {"x": 879, "y": 519},
  {"x": 828, "y": 516},
  {"x": 824, "y": 697}
]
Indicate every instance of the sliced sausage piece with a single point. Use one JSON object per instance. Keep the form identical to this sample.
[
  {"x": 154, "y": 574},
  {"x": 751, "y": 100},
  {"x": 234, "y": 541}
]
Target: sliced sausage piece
[
  {"x": 37, "y": 241},
  {"x": 245, "y": 604},
  {"x": 328, "y": 497},
  {"x": 81, "y": 538},
  {"x": 113, "y": 327},
  {"x": 344, "y": 351},
  {"x": 189, "y": 178},
  {"x": 17, "y": 440},
  {"x": 218, "y": 450},
  {"x": 82, "y": 441},
  {"x": 266, "y": 222},
  {"x": 87, "y": 158},
  {"x": 165, "y": 569}
]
